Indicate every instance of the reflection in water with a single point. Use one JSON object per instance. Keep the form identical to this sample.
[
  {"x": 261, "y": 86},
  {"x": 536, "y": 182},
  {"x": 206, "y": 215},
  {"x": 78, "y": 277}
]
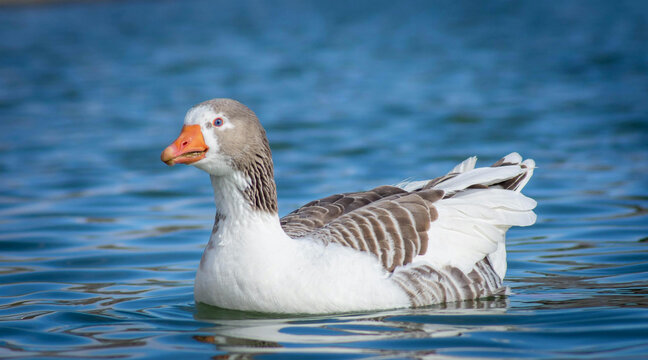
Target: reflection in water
[
  {"x": 568, "y": 292},
  {"x": 247, "y": 333}
]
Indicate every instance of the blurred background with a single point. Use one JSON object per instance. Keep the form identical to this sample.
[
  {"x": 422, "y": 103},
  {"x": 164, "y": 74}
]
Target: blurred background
[{"x": 99, "y": 240}]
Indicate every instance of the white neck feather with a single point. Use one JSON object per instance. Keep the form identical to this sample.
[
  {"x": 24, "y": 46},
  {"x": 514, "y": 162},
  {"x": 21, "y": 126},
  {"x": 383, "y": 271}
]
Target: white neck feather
[
  {"x": 236, "y": 220},
  {"x": 229, "y": 195}
]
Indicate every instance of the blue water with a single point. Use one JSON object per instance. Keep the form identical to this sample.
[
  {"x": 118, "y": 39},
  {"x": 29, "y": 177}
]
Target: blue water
[{"x": 99, "y": 240}]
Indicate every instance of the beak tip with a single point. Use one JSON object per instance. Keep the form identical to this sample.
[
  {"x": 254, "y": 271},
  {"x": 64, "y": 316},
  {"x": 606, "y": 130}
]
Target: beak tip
[{"x": 167, "y": 156}]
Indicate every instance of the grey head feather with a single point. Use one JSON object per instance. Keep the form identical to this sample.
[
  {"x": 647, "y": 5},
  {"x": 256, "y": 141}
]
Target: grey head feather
[{"x": 248, "y": 148}]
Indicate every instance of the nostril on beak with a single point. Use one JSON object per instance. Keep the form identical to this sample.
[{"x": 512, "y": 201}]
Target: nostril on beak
[{"x": 184, "y": 144}]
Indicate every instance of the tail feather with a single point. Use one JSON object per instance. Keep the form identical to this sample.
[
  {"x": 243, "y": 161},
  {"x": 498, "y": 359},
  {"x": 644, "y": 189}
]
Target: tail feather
[
  {"x": 510, "y": 159},
  {"x": 465, "y": 165},
  {"x": 514, "y": 159},
  {"x": 480, "y": 205}
]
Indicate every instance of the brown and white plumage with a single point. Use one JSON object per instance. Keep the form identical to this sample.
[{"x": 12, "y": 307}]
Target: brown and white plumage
[
  {"x": 414, "y": 244},
  {"x": 394, "y": 225}
]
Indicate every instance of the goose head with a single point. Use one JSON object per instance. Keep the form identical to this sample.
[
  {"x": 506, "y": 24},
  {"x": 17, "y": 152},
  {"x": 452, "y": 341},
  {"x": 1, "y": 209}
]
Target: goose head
[
  {"x": 219, "y": 136},
  {"x": 225, "y": 138}
]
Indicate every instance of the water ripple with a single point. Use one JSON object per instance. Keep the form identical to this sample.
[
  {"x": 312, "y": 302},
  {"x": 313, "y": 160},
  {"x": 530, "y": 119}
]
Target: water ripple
[{"x": 99, "y": 241}]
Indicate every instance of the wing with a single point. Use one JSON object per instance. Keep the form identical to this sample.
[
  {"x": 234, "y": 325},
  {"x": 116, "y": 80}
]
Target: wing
[
  {"x": 318, "y": 213},
  {"x": 455, "y": 220},
  {"x": 394, "y": 229},
  {"x": 479, "y": 206}
]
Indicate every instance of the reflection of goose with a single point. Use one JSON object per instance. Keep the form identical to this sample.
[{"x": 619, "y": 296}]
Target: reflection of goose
[
  {"x": 245, "y": 333},
  {"x": 415, "y": 244}
]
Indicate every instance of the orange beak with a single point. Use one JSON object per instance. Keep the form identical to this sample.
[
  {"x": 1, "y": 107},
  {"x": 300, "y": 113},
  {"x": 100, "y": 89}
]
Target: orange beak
[{"x": 188, "y": 148}]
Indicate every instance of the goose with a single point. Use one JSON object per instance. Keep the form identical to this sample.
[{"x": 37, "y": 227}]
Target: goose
[{"x": 413, "y": 244}]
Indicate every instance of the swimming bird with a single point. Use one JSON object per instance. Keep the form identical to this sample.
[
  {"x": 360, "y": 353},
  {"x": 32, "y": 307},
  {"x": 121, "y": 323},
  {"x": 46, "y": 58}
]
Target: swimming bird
[{"x": 413, "y": 244}]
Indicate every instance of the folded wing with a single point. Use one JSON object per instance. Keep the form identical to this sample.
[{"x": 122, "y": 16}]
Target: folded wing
[{"x": 442, "y": 227}]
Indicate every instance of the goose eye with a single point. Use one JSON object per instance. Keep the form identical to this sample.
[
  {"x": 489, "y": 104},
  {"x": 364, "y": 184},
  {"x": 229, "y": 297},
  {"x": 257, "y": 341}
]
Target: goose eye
[{"x": 218, "y": 122}]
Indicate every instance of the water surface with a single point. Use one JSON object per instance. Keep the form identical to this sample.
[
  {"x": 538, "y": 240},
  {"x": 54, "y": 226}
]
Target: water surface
[{"x": 99, "y": 240}]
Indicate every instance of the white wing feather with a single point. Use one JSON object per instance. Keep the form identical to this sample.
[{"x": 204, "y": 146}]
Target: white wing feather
[
  {"x": 472, "y": 224},
  {"x": 465, "y": 165},
  {"x": 484, "y": 176}
]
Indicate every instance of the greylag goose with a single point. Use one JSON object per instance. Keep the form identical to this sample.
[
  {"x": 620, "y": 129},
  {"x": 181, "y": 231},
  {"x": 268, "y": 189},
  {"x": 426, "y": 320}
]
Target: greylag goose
[{"x": 414, "y": 244}]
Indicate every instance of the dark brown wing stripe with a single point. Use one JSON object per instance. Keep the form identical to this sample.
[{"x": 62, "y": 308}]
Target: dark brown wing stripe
[
  {"x": 356, "y": 234},
  {"x": 485, "y": 271},
  {"x": 318, "y": 213},
  {"x": 513, "y": 183},
  {"x": 501, "y": 162},
  {"x": 394, "y": 229},
  {"x": 426, "y": 286},
  {"x": 346, "y": 237},
  {"x": 379, "y": 233}
]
